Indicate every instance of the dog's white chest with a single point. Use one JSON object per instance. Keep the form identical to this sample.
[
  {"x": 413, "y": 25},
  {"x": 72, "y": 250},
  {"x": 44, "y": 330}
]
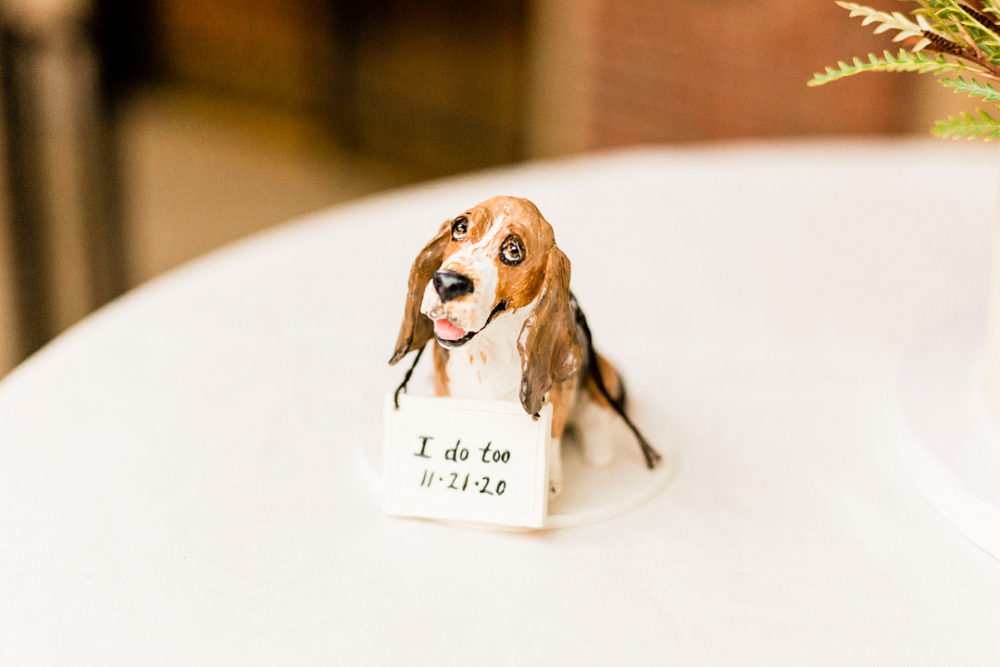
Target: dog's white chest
[{"x": 489, "y": 365}]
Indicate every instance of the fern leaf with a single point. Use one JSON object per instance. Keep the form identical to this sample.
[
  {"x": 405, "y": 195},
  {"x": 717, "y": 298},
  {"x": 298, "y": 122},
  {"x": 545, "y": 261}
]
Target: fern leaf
[
  {"x": 963, "y": 21},
  {"x": 904, "y": 61},
  {"x": 886, "y": 21},
  {"x": 973, "y": 88},
  {"x": 980, "y": 31},
  {"x": 939, "y": 17},
  {"x": 982, "y": 126}
]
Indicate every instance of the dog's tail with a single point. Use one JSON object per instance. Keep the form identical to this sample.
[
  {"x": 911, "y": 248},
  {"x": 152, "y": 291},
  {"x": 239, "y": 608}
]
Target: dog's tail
[{"x": 617, "y": 403}]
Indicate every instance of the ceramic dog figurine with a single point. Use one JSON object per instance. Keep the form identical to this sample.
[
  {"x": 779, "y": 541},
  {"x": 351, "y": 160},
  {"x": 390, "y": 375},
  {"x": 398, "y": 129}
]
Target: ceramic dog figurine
[{"x": 492, "y": 289}]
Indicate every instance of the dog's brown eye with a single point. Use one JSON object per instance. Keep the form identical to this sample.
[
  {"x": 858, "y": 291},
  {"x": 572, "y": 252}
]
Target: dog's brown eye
[
  {"x": 512, "y": 251},
  {"x": 459, "y": 228}
]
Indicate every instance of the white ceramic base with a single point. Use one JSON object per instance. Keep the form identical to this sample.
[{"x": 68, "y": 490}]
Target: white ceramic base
[
  {"x": 949, "y": 445},
  {"x": 590, "y": 493}
]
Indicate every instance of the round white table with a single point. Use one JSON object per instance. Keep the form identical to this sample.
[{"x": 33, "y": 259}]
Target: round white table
[{"x": 182, "y": 477}]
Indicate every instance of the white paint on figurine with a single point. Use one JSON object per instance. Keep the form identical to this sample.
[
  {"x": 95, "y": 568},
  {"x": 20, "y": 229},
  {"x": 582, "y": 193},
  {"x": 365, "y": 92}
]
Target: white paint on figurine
[
  {"x": 555, "y": 467},
  {"x": 470, "y": 312},
  {"x": 489, "y": 365}
]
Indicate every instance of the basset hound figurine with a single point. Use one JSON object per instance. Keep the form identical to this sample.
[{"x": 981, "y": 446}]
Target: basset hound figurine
[{"x": 492, "y": 289}]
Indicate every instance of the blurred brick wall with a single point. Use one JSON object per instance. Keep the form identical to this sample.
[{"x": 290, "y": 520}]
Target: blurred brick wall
[
  {"x": 636, "y": 71},
  {"x": 454, "y": 86},
  {"x": 734, "y": 69}
]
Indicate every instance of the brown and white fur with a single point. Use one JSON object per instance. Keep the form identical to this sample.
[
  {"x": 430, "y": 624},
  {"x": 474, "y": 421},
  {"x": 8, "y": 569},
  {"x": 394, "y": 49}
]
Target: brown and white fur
[{"x": 492, "y": 288}]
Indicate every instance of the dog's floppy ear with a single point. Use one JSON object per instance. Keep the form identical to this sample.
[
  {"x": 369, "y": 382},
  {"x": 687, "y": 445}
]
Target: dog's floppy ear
[
  {"x": 416, "y": 330},
  {"x": 549, "y": 347}
]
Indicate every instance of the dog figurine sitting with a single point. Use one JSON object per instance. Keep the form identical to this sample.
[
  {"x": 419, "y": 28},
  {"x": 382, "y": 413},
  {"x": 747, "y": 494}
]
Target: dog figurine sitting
[{"x": 492, "y": 288}]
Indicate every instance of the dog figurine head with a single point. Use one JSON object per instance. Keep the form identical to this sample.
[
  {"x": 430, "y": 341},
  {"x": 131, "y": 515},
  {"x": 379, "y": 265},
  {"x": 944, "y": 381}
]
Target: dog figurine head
[{"x": 491, "y": 261}]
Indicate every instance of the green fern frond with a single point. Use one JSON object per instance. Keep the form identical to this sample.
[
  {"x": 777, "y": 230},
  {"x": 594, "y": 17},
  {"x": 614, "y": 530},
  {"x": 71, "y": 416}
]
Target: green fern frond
[
  {"x": 960, "y": 21},
  {"x": 983, "y": 20},
  {"x": 934, "y": 16},
  {"x": 939, "y": 5},
  {"x": 886, "y": 21},
  {"x": 904, "y": 61},
  {"x": 957, "y": 40},
  {"x": 981, "y": 126},
  {"x": 973, "y": 88},
  {"x": 981, "y": 30},
  {"x": 930, "y": 5}
]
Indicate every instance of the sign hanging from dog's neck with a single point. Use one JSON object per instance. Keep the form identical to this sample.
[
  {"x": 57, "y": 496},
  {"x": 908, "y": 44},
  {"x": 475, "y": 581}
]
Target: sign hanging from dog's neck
[
  {"x": 490, "y": 292},
  {"x": 463, "y": 459}
]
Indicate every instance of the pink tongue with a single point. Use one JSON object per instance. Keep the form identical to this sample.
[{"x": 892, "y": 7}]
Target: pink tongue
[{"x": 445, "y": 329}]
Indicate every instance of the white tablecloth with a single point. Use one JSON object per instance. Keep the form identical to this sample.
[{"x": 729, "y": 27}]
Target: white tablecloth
[{"x": 182, "y": 477}]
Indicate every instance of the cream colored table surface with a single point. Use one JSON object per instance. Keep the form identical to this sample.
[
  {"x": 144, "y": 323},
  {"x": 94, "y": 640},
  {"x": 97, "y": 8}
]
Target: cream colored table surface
[{"x": 182, "y": 478}]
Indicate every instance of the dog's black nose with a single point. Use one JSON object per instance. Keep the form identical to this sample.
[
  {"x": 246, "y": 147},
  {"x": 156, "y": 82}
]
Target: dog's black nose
[{"x": 451, "y": 285}]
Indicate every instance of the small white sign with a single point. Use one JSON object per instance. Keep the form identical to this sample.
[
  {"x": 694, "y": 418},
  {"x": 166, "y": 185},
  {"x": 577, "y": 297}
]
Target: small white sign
[{"x": 472, "y": 460}]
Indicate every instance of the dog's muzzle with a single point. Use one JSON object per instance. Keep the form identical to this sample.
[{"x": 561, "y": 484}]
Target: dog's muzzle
[{"x": 469, "y": 335}]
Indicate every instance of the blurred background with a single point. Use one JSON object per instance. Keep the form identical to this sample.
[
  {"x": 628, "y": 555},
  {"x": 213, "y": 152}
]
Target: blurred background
[{"x": 137, "y": 134}]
